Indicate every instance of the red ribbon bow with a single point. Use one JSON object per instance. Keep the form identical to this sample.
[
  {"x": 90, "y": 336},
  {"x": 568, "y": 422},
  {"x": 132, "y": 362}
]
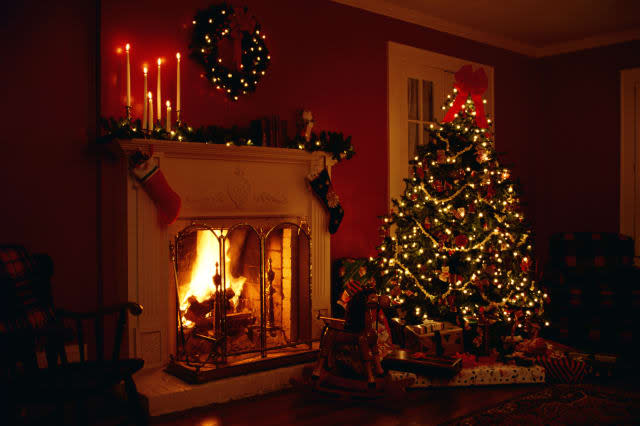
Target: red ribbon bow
[
  {"x": 468, "y": 83},
  {"x": 241, "y": 22}
]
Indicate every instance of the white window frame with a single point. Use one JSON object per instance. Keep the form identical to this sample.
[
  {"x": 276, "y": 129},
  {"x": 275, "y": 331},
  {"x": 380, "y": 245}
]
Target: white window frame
[
  {"x": 630, "y": 156},
  {"x": 402, "y": 61}
]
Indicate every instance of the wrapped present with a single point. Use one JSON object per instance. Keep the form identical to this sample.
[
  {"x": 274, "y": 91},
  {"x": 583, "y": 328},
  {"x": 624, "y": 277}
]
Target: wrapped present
[
  {"x": 563, "y": 369},
  {"x": 447, "y": 341},
  {"x": 419, "y": 363},
  {"x": 481, "y": 375}
]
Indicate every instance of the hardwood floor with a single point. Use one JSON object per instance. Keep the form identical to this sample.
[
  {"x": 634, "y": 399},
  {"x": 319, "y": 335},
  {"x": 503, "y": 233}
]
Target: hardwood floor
[{"x": 417, "y": 407}]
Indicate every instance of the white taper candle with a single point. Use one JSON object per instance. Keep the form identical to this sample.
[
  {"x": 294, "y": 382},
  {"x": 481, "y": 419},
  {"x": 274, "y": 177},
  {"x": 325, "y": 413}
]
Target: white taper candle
[
  {"x": 178, "y": 108},
  {"x": 127, "y": 47},
  {"x": 168, "y": 124},
  {"x": 150, "y": 111},
  {"x": 145, "y": 106},
  {"x": 158, "y": 94}
]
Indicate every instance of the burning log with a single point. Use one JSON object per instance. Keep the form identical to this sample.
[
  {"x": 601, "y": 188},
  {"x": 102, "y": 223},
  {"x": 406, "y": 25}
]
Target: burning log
[
  {"x": 201, "y": 313},
  {"x": 197, "y": 312}
]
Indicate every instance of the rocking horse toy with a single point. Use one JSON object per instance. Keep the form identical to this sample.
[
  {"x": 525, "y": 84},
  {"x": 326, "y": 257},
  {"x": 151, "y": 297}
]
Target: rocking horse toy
[{"x": 350, "y": 357}]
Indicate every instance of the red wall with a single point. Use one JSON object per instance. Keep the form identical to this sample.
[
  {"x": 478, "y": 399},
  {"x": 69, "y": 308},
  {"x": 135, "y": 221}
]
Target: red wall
[
  {"x": 578, "y": 140},
  {"x": 558, "y": 117},
  {"x": 48, "y": 115},
  {"x": 326, "y": 57}
]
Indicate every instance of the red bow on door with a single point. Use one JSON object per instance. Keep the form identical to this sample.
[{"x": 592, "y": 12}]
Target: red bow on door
[{"x": 469, "y": 83}]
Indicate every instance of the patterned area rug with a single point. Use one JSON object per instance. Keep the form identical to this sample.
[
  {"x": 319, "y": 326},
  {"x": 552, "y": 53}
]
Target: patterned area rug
[{"x": 563, "y": 405}]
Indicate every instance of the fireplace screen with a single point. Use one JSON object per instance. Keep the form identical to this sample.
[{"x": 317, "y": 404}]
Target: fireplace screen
[{"x": 241, "y": 291}]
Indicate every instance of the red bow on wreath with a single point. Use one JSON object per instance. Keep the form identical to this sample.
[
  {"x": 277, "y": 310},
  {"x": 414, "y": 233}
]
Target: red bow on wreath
[
  {"x": 468, "y": 83},
  {"x": 241, "y": 22}
]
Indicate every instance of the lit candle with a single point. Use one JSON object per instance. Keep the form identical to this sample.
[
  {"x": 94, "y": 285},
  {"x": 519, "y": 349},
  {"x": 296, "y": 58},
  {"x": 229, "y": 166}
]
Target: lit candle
[
  {"x": 178, "y": 111},
  {"x": 145, "y": 119},
  {"x": 150, "y": 95},
  {"x": 158, "y": 95},
  {"x": 127, "y": 47},
  {"x": 168, "y": 125}
]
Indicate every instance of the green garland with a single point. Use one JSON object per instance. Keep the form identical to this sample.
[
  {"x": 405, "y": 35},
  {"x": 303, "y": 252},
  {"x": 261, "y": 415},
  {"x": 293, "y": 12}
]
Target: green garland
[
  {"x": 221, "y": 23},
  {"x": 330, "y": 142}
]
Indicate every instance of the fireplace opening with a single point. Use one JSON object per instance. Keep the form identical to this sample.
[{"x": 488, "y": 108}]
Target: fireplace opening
[{"x": 243, "y": 296}]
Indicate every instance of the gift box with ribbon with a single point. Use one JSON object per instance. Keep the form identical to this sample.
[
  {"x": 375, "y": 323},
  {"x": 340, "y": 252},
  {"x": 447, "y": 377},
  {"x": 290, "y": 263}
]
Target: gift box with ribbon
[{"x": 446, "y": 341}]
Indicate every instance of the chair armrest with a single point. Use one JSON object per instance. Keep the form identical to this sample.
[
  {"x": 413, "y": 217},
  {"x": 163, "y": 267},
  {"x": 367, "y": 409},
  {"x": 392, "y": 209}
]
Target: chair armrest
[{"x": 134, "y": 309}]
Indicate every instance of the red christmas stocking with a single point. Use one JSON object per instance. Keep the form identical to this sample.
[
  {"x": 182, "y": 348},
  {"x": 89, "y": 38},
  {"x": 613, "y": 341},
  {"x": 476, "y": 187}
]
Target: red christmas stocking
[
  {"x": 322, "y": 187},
  {"x": 167, "y": 201}
]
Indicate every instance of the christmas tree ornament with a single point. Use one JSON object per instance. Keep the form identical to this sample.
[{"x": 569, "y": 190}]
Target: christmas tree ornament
[
  {"x": 323, "y": 188},
  {"x": 148, "y": 173}
]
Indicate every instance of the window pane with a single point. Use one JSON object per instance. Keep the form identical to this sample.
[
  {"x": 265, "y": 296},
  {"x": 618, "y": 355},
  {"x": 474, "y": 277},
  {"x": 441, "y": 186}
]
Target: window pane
[
  {"x": 427, "y": 100},
  {"x": 413, "y": 139},
  {"x": 426, "y": 137},
  {"x": 412, "y": 98}
]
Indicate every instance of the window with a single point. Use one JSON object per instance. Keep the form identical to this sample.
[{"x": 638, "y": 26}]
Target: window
[{"x": 419, "y": 82}]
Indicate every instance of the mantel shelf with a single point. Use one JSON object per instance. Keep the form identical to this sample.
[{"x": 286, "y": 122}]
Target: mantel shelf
[{"x": 220, "y": 151}]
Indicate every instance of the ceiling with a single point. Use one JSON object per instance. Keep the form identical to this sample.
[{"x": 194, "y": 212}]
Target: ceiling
[{"x": 532, "y": 27}]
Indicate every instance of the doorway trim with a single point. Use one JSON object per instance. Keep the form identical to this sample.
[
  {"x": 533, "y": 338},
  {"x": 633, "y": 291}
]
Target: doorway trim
[{"x": 630, "y": 156}]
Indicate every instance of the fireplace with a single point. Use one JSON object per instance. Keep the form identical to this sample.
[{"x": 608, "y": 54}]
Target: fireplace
[
  {"x": 252, "y": 205},
  {"x": 242, "y": 294}
]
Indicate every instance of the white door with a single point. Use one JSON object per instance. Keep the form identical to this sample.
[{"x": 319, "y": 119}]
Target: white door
[
  {"x": 419, "y": 82},
  {"x": 630, "y": 157}
]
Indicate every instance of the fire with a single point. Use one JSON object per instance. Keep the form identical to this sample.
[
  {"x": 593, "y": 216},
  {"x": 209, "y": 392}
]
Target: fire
[{"x": 201, "y": 285}]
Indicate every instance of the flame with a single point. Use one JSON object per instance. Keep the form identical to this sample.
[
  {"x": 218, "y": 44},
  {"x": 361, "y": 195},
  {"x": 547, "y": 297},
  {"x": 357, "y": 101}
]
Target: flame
[
  {"x": 127, "y": 47},
  {"x": 201, "y": 285}
]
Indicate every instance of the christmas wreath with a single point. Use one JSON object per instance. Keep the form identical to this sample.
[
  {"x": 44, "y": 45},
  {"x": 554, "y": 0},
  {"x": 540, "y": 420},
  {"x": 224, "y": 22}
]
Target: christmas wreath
[{"x": 230, "y": 45}]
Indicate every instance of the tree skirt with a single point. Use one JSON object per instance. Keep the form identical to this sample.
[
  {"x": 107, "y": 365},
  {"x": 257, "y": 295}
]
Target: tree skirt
[{"x": 563, "y": 404}]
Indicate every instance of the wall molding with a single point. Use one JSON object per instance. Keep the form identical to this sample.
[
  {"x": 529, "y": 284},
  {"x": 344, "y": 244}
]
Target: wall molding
[{"x": 386, "y": 8}]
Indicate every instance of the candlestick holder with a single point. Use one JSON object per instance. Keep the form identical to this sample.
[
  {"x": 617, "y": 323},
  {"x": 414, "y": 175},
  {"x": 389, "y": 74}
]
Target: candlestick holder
[
  {"x": 178, "y": 117},
  {"x": 127, "y": 109}
]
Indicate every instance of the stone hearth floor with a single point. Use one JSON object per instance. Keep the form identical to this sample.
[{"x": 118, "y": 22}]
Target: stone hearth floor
[{"x": 168, "y": 394}]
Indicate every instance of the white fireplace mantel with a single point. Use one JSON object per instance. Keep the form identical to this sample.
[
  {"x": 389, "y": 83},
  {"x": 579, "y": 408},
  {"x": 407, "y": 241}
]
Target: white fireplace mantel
[{"x": 214, "y": 181}]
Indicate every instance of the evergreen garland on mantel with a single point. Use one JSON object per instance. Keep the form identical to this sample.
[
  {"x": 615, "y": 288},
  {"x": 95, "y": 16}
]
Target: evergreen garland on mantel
[{"x": 333, "y": 143}]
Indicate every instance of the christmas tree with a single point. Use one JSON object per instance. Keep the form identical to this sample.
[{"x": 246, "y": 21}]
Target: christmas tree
[{"x": 456, "y": 245}]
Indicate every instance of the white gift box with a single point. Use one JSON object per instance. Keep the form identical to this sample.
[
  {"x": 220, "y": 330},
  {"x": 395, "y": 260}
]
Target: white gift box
[{"x": 495, "y": 374}]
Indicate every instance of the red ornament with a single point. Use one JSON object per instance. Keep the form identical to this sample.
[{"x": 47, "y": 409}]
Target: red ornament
[
  {"x": 441, "y": 156},
  {"x": 427, "y": 223},
  {"x": 438, "y": 185},
  {"x": 525, "y": 264},
  {"x": 461, "y": 240}
]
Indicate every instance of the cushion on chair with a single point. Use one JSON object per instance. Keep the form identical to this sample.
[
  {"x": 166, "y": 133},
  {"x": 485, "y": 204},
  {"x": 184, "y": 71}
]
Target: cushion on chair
[{"x": 24, "y": 289}]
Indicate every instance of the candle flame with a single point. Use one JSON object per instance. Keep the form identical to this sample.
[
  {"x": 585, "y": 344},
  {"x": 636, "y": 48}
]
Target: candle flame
[
  {"x": 145, "y": 70},
  {"x": 159, "y": 61},
  {"x": 168, "y": 104},
  {"x": 178, "y": 55},
  {"x": 127, "y": 47},
  {"x": 150, "y": 95}
]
